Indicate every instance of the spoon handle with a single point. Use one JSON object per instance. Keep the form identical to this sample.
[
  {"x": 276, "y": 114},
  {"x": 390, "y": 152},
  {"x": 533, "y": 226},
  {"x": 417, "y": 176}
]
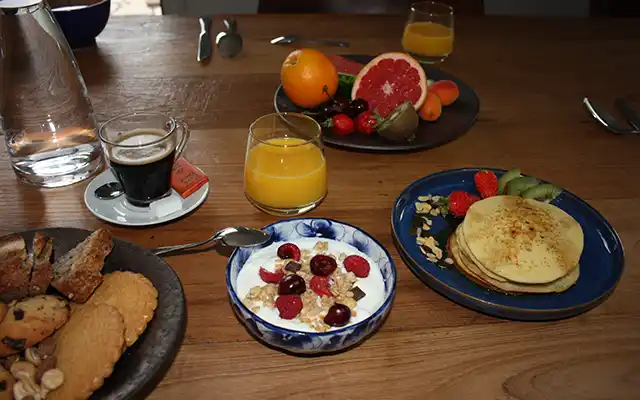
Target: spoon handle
[{"x": 158, "y": 251}]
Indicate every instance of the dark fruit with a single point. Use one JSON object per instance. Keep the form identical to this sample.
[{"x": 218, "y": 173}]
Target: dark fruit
[
  {"x": 291, "y": 284},
  {"x": 357, "y": 106},
  {"x": 338, "y": 315},
  {"x": 270, "y": 277},
  {"x": 401, "y": 124},
  {"x": 322, "y": 265},
  {"x": 289, "y": 306},
  {"x": 358, "y": 265},
  {"x": 289, "y": 251}
]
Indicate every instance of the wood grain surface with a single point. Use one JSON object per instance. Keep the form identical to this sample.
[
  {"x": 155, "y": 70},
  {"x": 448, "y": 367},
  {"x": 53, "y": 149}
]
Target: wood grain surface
[{"x": 530, "y": 75}]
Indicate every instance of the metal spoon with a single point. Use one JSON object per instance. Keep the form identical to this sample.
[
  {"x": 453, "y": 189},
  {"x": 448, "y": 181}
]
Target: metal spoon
[
  {"x": 607, "y": 120},
  {"x": 236, "y": 236},
  {"x": 288, "y": 39},
  {"x": 109, "y": 191},
  {"x": 229, "y": 42}
]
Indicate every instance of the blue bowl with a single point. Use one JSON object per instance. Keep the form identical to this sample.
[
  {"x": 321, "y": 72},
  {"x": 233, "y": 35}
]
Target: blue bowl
[
  {"x": 601, "y": 262},
  {"x": 82, "y": 24},
  {"x": 298, "y": 342}
]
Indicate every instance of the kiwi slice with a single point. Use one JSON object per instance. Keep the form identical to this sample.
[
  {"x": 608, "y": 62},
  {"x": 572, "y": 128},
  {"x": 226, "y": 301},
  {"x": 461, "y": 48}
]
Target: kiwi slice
[
  {"x": 401, "y": 124},
  {"x": 517, "y": 186},
  {"x": 506, "y": 178},
  {"x": 542, "y": 192}
]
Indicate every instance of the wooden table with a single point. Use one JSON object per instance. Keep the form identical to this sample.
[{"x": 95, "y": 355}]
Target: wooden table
[{"x": 531, "y": 76}]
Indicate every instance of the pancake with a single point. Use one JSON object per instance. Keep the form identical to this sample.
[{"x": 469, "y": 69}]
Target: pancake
[
  {"x": 465, "y": 249},
  {"x": 521, "y": 240},
  {"x": 468, "y": 268}
]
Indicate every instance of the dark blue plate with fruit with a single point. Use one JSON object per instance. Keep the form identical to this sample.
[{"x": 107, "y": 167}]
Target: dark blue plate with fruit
[
  {"x": 387, "y": 87},
  {"x": 601, "y": 262}
]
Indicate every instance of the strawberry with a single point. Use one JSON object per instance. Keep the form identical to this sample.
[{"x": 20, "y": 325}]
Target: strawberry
[
  {"x": 289, "y": 305},
  {"x": 486, "y": 183},
  {"x": 460, "y": 201},
  {"x": 366, "y": 122},
  {"x": 320, "y": 285},
  {"x": 358, "y": 265},
  {"x": 270, "y": 277}
]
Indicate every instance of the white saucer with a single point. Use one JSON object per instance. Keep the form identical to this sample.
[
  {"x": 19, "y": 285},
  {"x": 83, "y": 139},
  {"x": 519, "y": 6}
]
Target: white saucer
[{"x": 119, "y": 211}]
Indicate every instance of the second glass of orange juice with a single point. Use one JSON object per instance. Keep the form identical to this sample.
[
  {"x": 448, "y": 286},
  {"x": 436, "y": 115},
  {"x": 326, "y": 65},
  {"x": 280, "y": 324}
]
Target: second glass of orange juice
[
  {"x": 285, "y": 172},
  {"x": 428, "y": 35}
]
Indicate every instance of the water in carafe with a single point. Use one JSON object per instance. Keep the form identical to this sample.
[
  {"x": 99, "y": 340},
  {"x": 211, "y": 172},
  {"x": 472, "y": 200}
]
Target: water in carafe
[{"x": 46, "y": 116}]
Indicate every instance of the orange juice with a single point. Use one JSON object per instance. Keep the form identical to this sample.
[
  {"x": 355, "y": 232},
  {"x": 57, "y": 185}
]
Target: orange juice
[
  {"x": 285, "y": 173},
  {"x": 428, "y": 39}
]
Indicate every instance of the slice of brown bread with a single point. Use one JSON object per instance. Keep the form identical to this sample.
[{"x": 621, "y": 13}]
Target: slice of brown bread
[
  {"x": 40, "y": 257},
  {"x": 15, "y": 268},
  {"x": 77, "y": 273}
]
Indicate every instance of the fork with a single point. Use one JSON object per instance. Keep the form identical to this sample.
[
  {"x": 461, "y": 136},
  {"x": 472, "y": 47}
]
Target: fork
[{"x": 610, "y": 122}]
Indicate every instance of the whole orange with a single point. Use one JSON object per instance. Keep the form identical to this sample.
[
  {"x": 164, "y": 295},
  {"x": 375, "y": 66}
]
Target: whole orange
[{"x": 304, "y": 74}]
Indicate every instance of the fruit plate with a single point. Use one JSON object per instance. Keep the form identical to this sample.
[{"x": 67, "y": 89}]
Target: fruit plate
[
  {"x": 455, "y": 120},
  {"x": 143, "y": 365},
  {"x": 601, "y": 262}
]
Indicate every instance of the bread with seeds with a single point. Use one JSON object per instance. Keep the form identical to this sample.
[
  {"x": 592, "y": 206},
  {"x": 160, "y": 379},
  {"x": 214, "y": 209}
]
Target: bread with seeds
[
  {"x": 15, "y": 268},
  {"x": 40, "y": 258}
]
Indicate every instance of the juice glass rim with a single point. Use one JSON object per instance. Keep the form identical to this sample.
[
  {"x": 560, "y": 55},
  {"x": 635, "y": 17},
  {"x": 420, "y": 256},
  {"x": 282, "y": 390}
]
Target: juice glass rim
[
  {"x": 281, "y": 114},
  {"x": 446, "y": 9},
  {"x": 173, "y": 125}
]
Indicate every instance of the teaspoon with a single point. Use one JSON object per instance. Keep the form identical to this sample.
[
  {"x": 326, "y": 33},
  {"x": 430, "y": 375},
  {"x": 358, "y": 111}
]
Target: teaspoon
[
  {"x": 237, "y": 236},
  {"x": 109, "y": 191},
  {"x": 229, "y": 42},
  {"x": 289, "y": 39}
]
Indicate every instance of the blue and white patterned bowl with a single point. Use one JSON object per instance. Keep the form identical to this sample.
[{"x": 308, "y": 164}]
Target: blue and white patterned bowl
[{"x": 310, "y": 342}]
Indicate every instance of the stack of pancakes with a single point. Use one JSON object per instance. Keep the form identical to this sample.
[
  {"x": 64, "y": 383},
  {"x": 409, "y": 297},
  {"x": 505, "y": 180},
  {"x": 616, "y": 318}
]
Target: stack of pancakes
[{"x": 517, "y": 245}]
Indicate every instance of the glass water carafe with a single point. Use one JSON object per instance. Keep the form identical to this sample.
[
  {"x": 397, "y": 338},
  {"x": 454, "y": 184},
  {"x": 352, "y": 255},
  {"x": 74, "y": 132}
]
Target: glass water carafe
[{"x": 46, "y": 116}]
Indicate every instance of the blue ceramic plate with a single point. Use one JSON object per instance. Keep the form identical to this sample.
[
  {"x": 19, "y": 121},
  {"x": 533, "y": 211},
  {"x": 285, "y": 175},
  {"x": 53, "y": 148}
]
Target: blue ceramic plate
[
  {"x": 601, "y": 264},
  {"x": 298, "y": 342}
]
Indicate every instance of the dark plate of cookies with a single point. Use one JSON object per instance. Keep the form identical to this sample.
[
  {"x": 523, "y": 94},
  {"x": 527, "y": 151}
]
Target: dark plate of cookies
[{"x": 85, "y": 315}]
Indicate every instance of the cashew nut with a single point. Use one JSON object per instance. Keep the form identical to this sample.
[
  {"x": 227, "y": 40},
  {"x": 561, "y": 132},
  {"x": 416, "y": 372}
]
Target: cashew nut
[
  {"x": 23, "y": 369},
  {"x": 22, "y": 391},
  {"x": 33, "y": 356},
  {"x": 52, "y": 379}
]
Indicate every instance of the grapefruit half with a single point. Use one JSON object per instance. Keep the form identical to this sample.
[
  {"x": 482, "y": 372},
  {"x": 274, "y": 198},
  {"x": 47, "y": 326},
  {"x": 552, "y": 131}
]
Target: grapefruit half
[{"x": 390, "y": 80}]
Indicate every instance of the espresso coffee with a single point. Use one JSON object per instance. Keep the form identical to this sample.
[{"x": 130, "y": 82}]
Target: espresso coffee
[{"x": 144, "y": 172}]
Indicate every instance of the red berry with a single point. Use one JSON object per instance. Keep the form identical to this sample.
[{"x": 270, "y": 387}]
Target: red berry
[
  {"x": 289, "y": 305},
  {"x": 270, "y": 277},
  {"x": 460, "y": 201},
  {"x": 341, "y": 124},
  {"x": 322, "y": 265},
  {"x": 366, "y": 122},
  {"x": 486, "y": 183},
  {"x": 358, "y": 265},
  {"x": 291, "y": 284},
  {"x": 289, "y": 251},
  {"x": 320, "y": 285}
]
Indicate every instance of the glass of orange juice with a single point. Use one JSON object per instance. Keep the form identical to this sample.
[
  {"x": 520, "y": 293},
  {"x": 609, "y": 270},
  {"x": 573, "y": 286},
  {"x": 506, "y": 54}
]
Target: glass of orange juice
[
  {"x": 285, "y": 172},
  {"x": 428, "y": 35}
]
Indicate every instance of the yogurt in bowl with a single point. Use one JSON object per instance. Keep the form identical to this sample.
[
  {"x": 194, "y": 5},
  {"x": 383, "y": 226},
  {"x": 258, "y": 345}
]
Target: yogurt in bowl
[{"x": 338, "y": 283}]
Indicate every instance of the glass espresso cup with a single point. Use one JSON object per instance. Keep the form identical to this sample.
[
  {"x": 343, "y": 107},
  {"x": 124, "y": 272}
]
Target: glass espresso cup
[{"x": 141, "y": 149}]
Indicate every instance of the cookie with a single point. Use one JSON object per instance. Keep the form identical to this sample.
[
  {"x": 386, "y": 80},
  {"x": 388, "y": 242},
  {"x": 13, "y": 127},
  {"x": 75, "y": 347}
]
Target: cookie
[
  {"x": 29, "y": 321},
  {"x": 87, "y": 348},
  {"x": 6, "y": 384},
  {"x": 133, "y": 295}
]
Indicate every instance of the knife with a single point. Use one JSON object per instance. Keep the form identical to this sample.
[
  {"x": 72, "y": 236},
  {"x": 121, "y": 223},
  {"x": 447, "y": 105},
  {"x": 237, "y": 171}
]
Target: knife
[
  {"x": 628, "y": 112},
  {"x": 205, "y": 45}
]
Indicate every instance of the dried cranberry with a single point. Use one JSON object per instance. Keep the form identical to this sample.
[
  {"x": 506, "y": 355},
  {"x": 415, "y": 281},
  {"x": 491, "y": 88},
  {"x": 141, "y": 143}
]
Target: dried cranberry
[
  {"x": 358, "y": 265},
  {"x": 338, "y": 315},
  {"x": 320, "y": 285},
  {"x": 270, "y": 277},
  {"x": 289, "y": 251},
  {"x": 289, "y": 306},
  {"x": 322, "y": 265},
  {"x": 291, "y": 284}
]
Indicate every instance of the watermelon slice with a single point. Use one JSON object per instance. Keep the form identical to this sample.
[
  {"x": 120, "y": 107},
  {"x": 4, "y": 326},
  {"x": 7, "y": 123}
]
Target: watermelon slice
[{"x": 346, "y": 66}]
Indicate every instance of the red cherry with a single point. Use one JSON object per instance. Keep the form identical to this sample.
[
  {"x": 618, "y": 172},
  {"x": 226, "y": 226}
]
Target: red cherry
[
  {"x": 338, "y": 315},
  {"x": 291, "y": 284},
  {"x": 289, "y": 251},
  {"x": 322, "y": 265}
]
